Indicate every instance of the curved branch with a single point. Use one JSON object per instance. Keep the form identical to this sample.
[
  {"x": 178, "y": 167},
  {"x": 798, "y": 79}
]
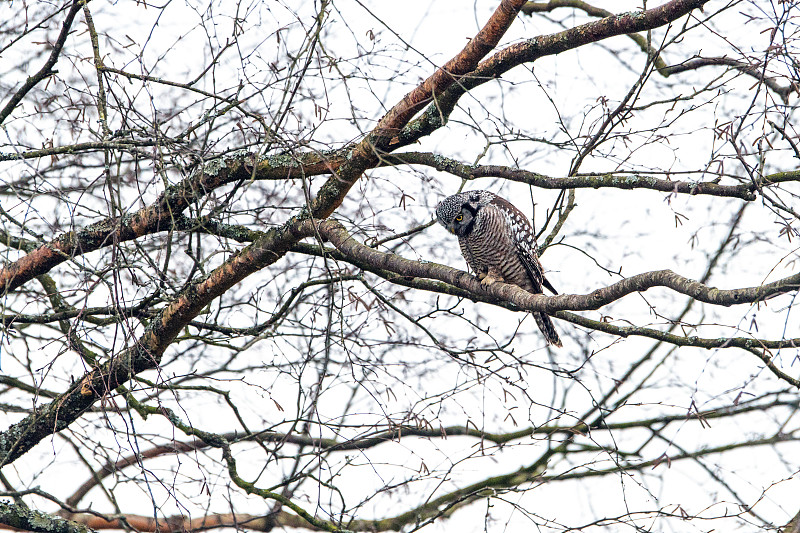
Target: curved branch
[
  {"x": 746, "y": 68},
  {"x": 460, "y": 283},
  {"x": 661, "y": 67},
  {"x": 359, "y": 252},
  {"x": 436, "y": 115},
  {"x": 424, "y": 284},
  {"x": 580, "y": 181},
  {"x": 399, "y": 432},
  {"x": 759, "y": 347}
]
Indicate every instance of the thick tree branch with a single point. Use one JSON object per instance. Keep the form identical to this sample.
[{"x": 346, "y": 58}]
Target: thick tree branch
[
  {"x": 21, "y": 518},
  {"x": 420, "y": 283},
  {"x": 366, "y": 154},
  {"x": 594, "y": 11},
  {"x": 145, "y": 353},
  {"x": 162, "y": 214},
  {"x": 436, "y": 115},
  {"x": 757, "y": 346},
  {"x": 404, "y": 271},
  {"x": 361, "y": 253}
]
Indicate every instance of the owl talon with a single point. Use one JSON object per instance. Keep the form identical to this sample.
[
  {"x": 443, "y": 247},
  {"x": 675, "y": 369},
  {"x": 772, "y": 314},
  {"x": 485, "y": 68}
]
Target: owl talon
[{"x": 489, "y": 278}]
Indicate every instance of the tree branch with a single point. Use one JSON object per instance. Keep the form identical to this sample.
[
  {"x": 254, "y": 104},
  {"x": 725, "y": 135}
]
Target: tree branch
[
  {"x": 436, "y": 115},
  {"x": 146, "y": 351},
  {"x": 524, "y": 300},
  {"x": 21, "y": 518},
  {"x": 162, "y": 214},
  {"x": 47, "y": 69},
  {"x": 581, "y": 181},
  {"x": 366, "y": 154},
  {"x": 661, "y": 67}
]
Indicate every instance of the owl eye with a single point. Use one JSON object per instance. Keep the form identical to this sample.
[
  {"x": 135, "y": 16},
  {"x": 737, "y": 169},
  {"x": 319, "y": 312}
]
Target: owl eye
[{"x": 459, "y": 217}]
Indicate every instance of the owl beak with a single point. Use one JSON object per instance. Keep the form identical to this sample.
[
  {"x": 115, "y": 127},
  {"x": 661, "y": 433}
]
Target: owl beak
[{"x": 451, "y": 229}]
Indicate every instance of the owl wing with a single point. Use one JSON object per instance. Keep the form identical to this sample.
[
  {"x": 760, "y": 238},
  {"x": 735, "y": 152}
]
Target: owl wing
[
  {"x": 525, "y": 244},
  {"x": 533, "y": 267}
]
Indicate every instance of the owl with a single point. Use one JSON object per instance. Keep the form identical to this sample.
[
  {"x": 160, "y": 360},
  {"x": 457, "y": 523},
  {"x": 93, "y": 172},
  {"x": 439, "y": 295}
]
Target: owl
[{"x": 498, "y": 243}]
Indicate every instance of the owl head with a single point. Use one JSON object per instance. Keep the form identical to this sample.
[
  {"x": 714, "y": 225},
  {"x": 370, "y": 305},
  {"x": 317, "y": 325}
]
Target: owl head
[{"x": 457, "y": 213}]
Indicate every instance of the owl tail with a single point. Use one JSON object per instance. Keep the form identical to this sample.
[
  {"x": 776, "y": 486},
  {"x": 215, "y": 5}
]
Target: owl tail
[{"x": 547, "y": 328}]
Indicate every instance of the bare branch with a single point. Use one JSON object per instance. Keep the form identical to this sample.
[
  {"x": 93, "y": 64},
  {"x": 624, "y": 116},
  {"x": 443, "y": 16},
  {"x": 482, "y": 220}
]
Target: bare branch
[{"x": 47, "y": 69}]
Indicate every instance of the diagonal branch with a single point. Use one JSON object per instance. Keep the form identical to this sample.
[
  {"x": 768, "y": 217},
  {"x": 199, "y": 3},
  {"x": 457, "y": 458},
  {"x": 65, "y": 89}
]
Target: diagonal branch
[
  {"x": 47, "y": 69},
  {"x": 146, "y": 351},
  {"x": 661, "y": 66},
  {"x": 162, "y": 214},
  {"x": 365, "y": 155},
  {"x": 436, "y": 116},
  {"x": 594, "y": 11}
]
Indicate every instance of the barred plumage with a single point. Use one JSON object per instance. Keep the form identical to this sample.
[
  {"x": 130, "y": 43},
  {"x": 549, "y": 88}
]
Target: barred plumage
[{"x": 498, "y": 242}]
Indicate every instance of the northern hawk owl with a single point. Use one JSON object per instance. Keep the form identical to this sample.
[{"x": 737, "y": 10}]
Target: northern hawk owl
[{"x": 498, "y": 242}]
